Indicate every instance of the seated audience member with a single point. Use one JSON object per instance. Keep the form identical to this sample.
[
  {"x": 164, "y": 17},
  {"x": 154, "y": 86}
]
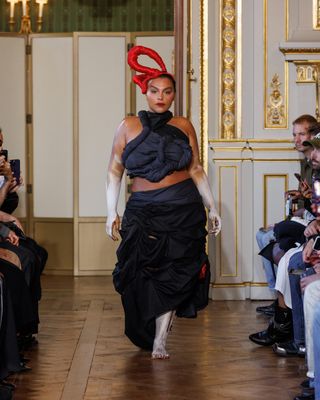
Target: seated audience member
[
  {"x": 302, "y": 262},
  {"x": 280, "y": 326},
  {"x": 287, "y": 337},
  {"x": 19, "y": 317},
  {"x": 20, "y": 269},
  {"x": 302, "y": 130},
  {"x": 311, "y": 287},
  {"x": 16, "y": 315},
  {"x": 32, "y": 258},
  {"x": 31, "y": 255},
  {"x": 297, "y": 264},
  {"x": 316, "y": 351},
  {"x": 8, "y": 183}
]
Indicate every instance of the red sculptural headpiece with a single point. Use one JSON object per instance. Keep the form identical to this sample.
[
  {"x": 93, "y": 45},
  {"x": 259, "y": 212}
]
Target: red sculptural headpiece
[{"x": 147, "y": 72}]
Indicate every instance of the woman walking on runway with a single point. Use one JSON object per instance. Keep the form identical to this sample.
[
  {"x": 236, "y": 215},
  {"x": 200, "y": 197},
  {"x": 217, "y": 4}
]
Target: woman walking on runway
[{"x": 162, "y": 266}]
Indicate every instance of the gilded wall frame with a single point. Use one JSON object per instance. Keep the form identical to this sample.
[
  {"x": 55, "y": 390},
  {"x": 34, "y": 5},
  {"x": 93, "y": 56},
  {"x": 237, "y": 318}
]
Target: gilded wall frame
[
  {"x": 316, "y": 14},
  {"x": 230, "y": 69},
  {"x": 204, "y": 83}
]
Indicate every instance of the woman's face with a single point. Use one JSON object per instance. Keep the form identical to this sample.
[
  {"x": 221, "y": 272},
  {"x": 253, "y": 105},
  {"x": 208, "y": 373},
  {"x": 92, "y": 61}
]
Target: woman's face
[{"x": 160, "y": 94}]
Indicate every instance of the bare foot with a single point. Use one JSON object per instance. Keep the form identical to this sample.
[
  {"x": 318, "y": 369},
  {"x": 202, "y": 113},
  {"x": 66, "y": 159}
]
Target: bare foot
[{"x": 159, "y": 352}]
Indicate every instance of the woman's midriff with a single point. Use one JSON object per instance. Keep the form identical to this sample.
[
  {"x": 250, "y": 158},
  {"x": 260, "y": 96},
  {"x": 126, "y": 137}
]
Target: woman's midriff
[{"x": 141, "y": 184}]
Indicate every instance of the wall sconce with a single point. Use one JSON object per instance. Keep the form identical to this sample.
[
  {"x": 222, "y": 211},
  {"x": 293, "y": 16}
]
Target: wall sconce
[
  {"x": 11, "y": 18},
  {"x": 25, "y": 19}
]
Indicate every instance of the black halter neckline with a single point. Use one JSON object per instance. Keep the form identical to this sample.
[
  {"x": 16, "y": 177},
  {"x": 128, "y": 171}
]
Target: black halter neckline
[{"x": 157, "y": 120}]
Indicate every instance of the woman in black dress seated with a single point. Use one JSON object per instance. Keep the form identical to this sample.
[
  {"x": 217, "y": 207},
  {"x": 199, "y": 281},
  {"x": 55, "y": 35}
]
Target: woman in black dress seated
[{"x": 162, "y": 266}]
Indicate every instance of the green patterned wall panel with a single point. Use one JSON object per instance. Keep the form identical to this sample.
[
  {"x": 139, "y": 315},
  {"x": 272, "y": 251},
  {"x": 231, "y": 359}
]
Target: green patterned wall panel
[{"x": 96, "y": 15}]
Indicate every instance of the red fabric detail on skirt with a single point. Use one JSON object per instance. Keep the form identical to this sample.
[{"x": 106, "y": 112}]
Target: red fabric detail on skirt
[{"x": 203, "y": 271}]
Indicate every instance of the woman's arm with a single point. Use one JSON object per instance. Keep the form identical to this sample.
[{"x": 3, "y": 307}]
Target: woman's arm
[
  {"x": 5, "y": 217},
  {"x": 8, "y": 235},
  {"x": 113, "y": 185},
  {"x": 200, "y": 179}
]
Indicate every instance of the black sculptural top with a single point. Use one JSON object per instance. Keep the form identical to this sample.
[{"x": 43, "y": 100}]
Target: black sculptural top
[{"x": 159, "y": 150}]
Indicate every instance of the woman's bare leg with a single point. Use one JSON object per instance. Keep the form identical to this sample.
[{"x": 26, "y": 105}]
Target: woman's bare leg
[{"x": 163, "y": 325}]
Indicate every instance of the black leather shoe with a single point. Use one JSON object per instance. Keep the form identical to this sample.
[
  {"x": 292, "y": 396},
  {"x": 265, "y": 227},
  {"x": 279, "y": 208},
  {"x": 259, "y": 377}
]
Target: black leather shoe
[
  {"x": 305, "y": 396},
  {"x": 275, "y": 333},
  {"x": 267, "y": 310},
  {"x": 307, "y": 384},
  {"x": 263, "y": 338},
  {"x": 289, "y": 349}
]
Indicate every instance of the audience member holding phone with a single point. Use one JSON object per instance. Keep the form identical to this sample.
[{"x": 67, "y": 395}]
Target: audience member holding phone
[
  {"x": 281, "y": 331},
  {"x": 303, "y": 129},
  {"x": 304, "y": 191},
  {"x": 20, "y": 251},
  {"x": 301, "y": 197},
  {"x": 10, "y": 180}
]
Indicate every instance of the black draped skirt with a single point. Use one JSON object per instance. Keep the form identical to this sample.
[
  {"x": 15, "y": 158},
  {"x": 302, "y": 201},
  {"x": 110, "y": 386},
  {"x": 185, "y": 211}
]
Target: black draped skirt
[{"x": 162, "y": 264}]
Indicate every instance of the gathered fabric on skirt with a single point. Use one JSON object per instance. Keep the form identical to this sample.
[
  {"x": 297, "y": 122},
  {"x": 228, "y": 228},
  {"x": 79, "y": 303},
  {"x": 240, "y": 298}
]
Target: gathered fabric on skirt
[{"x": 162, "y": 264}]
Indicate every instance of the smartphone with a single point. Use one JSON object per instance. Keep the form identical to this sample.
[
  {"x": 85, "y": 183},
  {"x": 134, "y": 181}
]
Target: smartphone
[
  {"x": 4, "y": 153},
  {"x": 316, "y": 197},
  {"x": 316, "y": 244},
  {"x": 15, "y": 168}
]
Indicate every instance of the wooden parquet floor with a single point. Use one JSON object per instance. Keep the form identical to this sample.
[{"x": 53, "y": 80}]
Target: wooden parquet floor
[{"x": 83, "y": 354}]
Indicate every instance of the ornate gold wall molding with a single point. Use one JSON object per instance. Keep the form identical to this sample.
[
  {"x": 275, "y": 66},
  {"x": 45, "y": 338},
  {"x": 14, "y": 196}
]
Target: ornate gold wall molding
[
  {"x": 306, "y": 72},
  {"x": 309, "y": 72},
  {"x": 316, "y": 14},
  {"x": 275, "y": 107},
  {"x": 228, "y": 70},
  {"x": 190, "y": 70},
  {"x": 204, "y": 83},
  {"x": 299, "y": 50}
]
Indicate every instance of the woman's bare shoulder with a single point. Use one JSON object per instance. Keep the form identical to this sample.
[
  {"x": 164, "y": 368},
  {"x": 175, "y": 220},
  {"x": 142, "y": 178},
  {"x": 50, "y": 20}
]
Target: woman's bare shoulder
[
  {"x": 128, "y": 124},
  {"x": 129, "y": 128},
  {"x": 130, "y": 121},
  {"x": 183, "y": 124}
]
